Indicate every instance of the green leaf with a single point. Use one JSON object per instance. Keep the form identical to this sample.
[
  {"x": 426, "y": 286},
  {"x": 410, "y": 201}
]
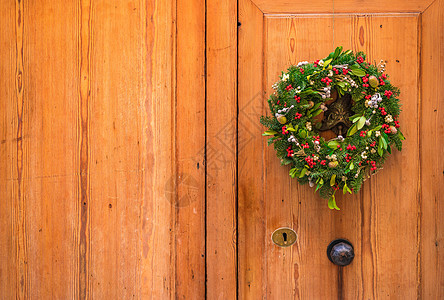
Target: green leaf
[
  {"x": 290, "y": 127},
  {"x": 269, "y": 132},
  {"x": 361, "y": 122},
  {"x": 333, "y": 144},
  {"x": 356, "y": 119},
  {"x": 346, "y": 189},
  {"x": 351, "y": 167},
  {"x": 389, "y": 149},
  {"x": 341, "y": 84},
  {"x": 327, "y": 62},
  {"x": 332, "y": 203},
  {"x": 358, "y": 72},
  {"x": 384, "y": 143},
  {"x": 337, "y": 52},
  {"x": 333, "y": 180},
  {"x": 377, "y": 128},
  {"x": 320, "y": 184},
  {"x": 293, "y": 172},
  {"x": 302, "y": 133},
  {"x": 380, "y": 146},
  {"x": 317, "y": 112},
  {"x": 352, "y": 130},
  {"x": 315, "y": 106},
  {"x": 347, "y": 52},
  {"x": 302, "y": 172},
  {"x": 401, "y": 136},
  {"x": 357, "y": 116}
]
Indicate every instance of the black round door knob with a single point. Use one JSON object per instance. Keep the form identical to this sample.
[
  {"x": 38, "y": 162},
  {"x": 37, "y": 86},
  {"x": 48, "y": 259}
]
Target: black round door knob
[{"x": 340, "y": 252}]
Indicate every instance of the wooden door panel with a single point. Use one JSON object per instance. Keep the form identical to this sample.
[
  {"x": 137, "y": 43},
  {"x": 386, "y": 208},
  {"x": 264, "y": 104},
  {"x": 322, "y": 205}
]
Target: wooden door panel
[{"x": 381, "y": 221}]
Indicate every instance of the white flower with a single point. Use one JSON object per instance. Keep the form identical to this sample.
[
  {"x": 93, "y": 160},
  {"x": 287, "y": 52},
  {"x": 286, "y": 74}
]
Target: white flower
[
  {"x": 285, "y": 77},
  {"x": 330, "y": 73},
  {"x": 340, "y": 138},
  {"x": 377, "y": 97},
  {"x": 332, "y": 157},
  {"x": 364, "y": 155},
  {"x": 308, "y": 126},
  {"x": 367, "y": 122},
  {"x": 373, "y": 151},
  {"x": 374, "y": 112},
  {"x": 275, "y": 86},
  {"x": 388, "y": 119},
  {"x": 311, "y": 183},
  {"x": 344, "y": 178},
  {"x": 377, "y": 133},
  {"x": 302, "y": 63},
  {"x": 315, "y": 157},
  {"x": 321, "y": 63},
  {"x": 285, "y": 109},
  {"x": 292, "y": 139},
  {"x": 323, "y": 107}
]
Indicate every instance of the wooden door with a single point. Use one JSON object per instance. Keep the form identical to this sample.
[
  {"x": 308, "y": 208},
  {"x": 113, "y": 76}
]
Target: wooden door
[
  {"x": 132, "y": 163},
  {"x": 392, "y": 222}
]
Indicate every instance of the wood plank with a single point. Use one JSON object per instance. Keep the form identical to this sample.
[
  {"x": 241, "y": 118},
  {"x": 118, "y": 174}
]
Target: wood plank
[
  {"x": 156, "y": 248},
  {"x": 289, "y": 40},
  {"x": 375, "y": 226},
  {"x": 189, "y": 138},
  {"x": 221, "y": 124},
  {"x": 251, "y": 205},
  {"x": 303, "y": 270},
  {"x": 431, "y": 159},
  {"x": 113, "y": 145},
  {"x": 46, "y": 169},
  {"x": 8, "y": 57},
  {"x": 341, "y": 6}
]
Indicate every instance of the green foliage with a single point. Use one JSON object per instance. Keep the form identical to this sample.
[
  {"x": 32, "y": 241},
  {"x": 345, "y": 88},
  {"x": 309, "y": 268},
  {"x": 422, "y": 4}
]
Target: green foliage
[{"x": 300, "y": 95}]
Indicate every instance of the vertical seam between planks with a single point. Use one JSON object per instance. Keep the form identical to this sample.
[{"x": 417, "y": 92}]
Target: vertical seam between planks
[
  {"x": 419, "y": 195},
  {"x": 205, "y": 154},
  {"x": 236, "y": 204},
  {"x": 175, "y": 166},
  {"x": 261, "y": 98}
]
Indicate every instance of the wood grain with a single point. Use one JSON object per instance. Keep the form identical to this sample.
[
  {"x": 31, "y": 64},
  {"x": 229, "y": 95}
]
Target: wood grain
[
  {"x": 251, "y": 214},
  {"x": 99, "y": 123},
  {"x": 383, "y": 230},
  {"x": 157, "y": 185},
  {"x": 303, "y": 268},
  {"x": 370, "y": 219},
  {"x": 221, "y": 149},
  {"x": 431, "y": 256},
  {"x": 9, "y": 281},
  {"x": 341, "y": 6},
  {"x": 128, "y": 168},
  {"x": 189, "y": 138}
]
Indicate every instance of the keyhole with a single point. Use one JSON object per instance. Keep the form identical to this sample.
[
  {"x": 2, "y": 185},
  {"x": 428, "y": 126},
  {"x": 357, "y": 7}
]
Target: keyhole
[{"x": 285, "y": 237}]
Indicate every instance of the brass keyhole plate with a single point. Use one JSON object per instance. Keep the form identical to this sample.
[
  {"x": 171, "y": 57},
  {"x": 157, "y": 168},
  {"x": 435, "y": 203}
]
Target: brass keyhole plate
[{"x": 284, "y": 237}]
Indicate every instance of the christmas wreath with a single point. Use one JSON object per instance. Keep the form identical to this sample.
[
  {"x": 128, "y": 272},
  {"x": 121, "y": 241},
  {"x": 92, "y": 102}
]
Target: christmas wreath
[{"x": 334, "y": 121}]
